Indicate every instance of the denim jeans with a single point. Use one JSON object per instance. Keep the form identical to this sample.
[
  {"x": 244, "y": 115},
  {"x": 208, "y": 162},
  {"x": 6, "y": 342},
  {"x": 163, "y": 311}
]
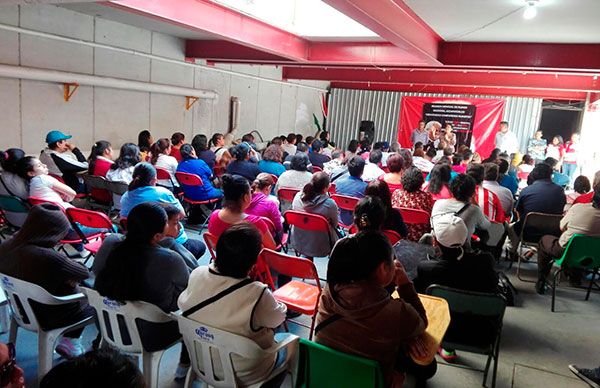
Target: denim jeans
[{"x": 570, "y": 169}]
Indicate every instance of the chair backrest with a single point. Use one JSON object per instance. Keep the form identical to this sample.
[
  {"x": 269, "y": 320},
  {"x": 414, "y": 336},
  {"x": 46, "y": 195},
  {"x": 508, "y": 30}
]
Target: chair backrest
[
  {"x": 581, "y": 252},
  {"x": 332, "y": 188},
  {"x": 471, "y": 303},
  {"x": 290, "y": 265},
  {"x": 38, "y": 201},
  {"x": 89, "y": 218},
  {"x": 392, "y": 235},
  {"x": 274, "y": 177},
  {"x": 14, "y": 204},
  {"x": 95, "y": 182},
  {"x": 316, "y": 169},
  {"x": 162, "y": 173},
  {"x": 118, "y": 188},
  {"x": 287, "y": 193},
  {"x": 205, "y": 342},
  {"x": 320, "y": 366},
  {"x": 20, "y": 294},
  {"x": 187, "y": 179},
  {"x": 57, "y": 177},
  {"x": 345, "y": 202},
  {"x": 414, "y": 216},
  {"x": 542, "y": 224},
  {"x": 117, "y": 320},
  {"x": 211, "y": 243},
  {"x": 307, "y": 221}
]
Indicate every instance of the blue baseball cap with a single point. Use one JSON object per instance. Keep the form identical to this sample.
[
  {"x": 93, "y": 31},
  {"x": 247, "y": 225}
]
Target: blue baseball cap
[{"x": 54, "y": 136}]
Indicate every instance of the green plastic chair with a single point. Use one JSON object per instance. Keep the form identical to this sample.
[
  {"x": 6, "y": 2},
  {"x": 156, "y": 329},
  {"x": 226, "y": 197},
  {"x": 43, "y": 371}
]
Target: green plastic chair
[
  {"x": 320, "y": 366},
  {"x": 10, "y": 206},
  {"x": 582, "y": 252},
  {"x": 475, "y": 325}
]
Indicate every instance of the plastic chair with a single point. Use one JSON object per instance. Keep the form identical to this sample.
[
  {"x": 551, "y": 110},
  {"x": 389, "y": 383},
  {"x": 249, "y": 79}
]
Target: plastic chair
[
  {"x": 207, "y": 344},
  {"x": 392, "y": 235},
  {"x": 316, "y": 169},
  {"x": 112, "y": 315},
  {"x": 186, "y": 179},
  {"x": 296, "y": 295},
  {"x": 275, "y": 179},
  {"x": 97, "y": 186},
  {"x": 91, "y": 219},
  {"x": 11, "y": 205},
  {"x": 476, "y": 324},
  {"x": 211, "y": 244},
  {"x": 414, "y": 216},
  {"x": 287, "y": 194},
  {"x": 544, "y": 224},
  {"x": 284, "y": 236},
  {"x": 582, "y": 252},
  {"x": 38, "y": 201},
  {"x": 345, "y": 202},
  {"x": 320, "y": 366},
  {"x": 20, "y": 294},
  {"x": 332, "y": 188},
  {"x": 163, "y": 174},
  {"x": 117, "y": 188},
  {"x": 309, "y": 222}
]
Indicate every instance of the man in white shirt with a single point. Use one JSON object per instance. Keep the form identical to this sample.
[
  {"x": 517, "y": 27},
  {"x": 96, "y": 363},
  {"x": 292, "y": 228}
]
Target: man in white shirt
[
  {"x": 419, "y": 134},
  {"x": 290, "y": 145},
  {"x": 372, "y": 170},
  {"x": 506, "y": 140}
]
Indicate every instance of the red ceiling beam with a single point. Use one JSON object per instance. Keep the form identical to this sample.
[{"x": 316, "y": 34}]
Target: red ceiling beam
[
  {"x": 497, "y": 91},
  {"x": 222, "y": 50},
  {"x": 529, "y": 55},
  {"x": 222, "y": 22},
  {"x": 451, "y": 77},
  {"x": 394, "y": 21}
]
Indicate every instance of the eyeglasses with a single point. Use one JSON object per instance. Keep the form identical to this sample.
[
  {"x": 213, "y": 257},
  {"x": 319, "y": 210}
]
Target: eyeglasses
[{"x": 7, "y": 369}]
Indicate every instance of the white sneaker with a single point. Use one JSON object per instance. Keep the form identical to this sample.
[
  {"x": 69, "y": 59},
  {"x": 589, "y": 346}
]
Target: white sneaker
[
  {"x": 181, "y": 371},
  {"x": 70, "y": 347}
]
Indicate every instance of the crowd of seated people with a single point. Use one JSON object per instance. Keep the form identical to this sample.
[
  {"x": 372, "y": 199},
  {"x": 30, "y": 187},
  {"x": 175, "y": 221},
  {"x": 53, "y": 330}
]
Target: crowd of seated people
[{"x": 468, "y": 201}]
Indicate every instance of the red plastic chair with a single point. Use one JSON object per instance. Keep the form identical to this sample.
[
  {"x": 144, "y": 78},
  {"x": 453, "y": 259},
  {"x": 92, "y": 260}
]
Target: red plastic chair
[
  {"x": 414, "y": 216},
  {"x": 91, "y": 219},
  {"x": 275, "y": 179},
  {"x": 38, "y": 201},
  {"x": 163, "y": 174},
  {"x": 211, "y": 244},
  {"x": 522, "y": 175},
  {"x": 296, "y": 295},
  {"x": 393, "y": 236},
  {"x": 287, "y": 194},
  {"x": 309, "y": 222},
  {"x": 284, "y": 236},
  {"x": 187, "y": 179},
  {"x": 386, "y": 169},
  {"x": 316, "y": 169},
  {"x": 345, "y": 202}
]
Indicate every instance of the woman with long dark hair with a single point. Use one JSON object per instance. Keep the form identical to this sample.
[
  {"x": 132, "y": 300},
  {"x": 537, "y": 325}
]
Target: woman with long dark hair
[
  {"x": 360, "y": 274},
  {"x": 439, "y": 181},
  {"x": 393, "y": 219},
  {"x": 314, "y": 199},
  {"x": 122, "y": 169},
  {"x": 145, "y": 141},
  {"x": 139, "y": 269}
]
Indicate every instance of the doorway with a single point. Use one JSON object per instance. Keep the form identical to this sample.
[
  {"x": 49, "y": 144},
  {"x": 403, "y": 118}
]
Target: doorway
[{"x": 561, "y": 118}]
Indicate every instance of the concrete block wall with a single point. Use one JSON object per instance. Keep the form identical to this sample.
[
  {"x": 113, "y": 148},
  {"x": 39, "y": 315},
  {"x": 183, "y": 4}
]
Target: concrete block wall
[{"x": 28, "y": 109}]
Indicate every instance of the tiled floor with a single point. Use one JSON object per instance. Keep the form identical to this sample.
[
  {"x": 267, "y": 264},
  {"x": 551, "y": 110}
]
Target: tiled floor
[{"x": 536, "y": 347}]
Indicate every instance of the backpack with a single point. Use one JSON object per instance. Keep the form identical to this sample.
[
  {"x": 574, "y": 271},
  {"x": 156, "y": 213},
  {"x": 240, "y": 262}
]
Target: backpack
[{"x": 506, "y": 289}]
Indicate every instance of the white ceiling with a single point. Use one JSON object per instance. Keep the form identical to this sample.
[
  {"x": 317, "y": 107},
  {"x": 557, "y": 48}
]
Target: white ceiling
[
  {"x": 136, "y": 20},
  {"x": 557, "y": 21}
]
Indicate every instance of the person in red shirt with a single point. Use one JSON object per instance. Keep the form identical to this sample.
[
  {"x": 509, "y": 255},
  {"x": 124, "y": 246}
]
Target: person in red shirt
[
  {"x": 100, "y": 161},
  {"x": 487, "y": 200},
  {"x": 177, "y": 140},
  {"x": 587, "y": 198}
]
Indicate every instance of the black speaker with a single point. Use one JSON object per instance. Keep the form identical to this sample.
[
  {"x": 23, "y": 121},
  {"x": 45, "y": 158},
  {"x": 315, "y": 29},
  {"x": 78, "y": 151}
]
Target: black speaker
[{"x": 366, "y": 130}]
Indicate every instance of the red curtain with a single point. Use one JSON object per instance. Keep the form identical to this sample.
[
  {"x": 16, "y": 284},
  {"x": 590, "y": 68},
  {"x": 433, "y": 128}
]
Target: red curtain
[{"x": 485, "y": 125}]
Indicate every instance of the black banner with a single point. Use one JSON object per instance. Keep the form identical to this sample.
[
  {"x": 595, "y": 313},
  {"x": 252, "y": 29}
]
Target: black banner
[{"x": 461, "y": 116}]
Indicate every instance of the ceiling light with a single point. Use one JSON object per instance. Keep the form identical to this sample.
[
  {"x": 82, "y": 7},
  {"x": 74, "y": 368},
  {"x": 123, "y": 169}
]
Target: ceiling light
[{"x": 530, "y": 10}]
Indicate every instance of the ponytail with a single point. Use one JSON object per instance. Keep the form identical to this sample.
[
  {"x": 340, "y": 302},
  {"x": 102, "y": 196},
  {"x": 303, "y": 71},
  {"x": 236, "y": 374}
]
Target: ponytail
[
  {"x": 317, "y": 185},
  {"x": 159, "y": 148},
  {"x": 262, "y": 180},
  {"x": 97, "y": 150},
  {"x": 143, "y": 175}
]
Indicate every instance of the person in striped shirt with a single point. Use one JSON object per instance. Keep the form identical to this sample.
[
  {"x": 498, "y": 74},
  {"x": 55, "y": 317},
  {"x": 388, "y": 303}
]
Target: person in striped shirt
[{"x": 488, "y": 201}]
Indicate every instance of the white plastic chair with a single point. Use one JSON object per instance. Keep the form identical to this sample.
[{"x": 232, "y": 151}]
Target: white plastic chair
[
  {"x": 113, "y": 315},
  {"x": 203, "y": 341},
  {"x": 20, "y": 294}
]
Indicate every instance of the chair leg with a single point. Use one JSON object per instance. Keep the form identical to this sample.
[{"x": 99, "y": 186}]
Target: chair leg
[
  {"x": 14, "y": 328},
  {"x": 189, "y": 379},
  {"x": 46, "y": 344},
  {"x": 554, "y": 287},
  {"x": 496, "y": 356},
  {"x": 312, "y": 326},
  {"x": 150, "y": 367},
  {"x": 487, "y": 368},
  {"x": 589, "y": 289}
]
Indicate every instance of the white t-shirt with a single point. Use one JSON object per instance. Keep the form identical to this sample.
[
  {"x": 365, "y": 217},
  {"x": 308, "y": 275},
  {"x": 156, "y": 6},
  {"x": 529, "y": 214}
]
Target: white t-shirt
[
  {"x": 219, "y": 151},
  {"x": 169, "y": 163},
  {"x": 507, "y": 142},
  {"x": 41, "y": 187},
  {"x": 371, "y": 172}
]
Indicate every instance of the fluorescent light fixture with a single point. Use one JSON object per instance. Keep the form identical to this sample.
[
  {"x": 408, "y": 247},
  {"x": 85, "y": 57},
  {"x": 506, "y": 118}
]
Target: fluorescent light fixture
[{"x": 531, "y": 10}]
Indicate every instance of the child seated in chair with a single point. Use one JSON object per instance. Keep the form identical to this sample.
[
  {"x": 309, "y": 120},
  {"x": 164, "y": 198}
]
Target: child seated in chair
[{"x": 250, "y": 310}]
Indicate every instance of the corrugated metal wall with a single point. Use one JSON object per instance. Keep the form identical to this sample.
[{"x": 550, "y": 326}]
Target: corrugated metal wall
[{"x": 348, "y": 107}]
